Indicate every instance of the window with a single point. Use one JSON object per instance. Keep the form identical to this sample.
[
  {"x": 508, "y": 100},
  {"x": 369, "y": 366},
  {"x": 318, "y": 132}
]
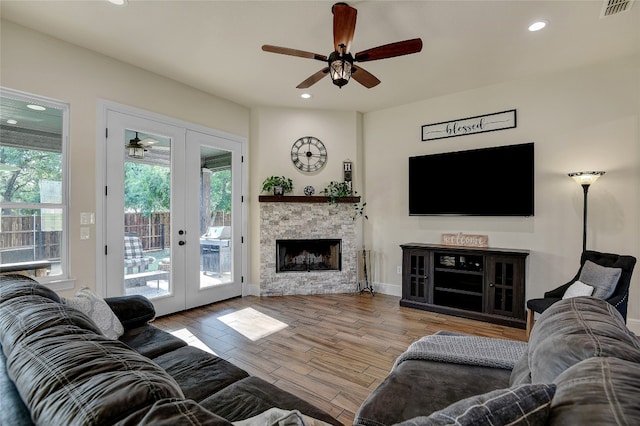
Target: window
[{"x": 33, "y": 181}]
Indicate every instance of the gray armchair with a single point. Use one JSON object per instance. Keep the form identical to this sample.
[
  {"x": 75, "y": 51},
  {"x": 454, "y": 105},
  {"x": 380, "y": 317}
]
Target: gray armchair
[{"x": 619, "y": 299}]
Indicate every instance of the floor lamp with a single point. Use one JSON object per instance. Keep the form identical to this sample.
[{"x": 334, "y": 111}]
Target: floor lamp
[{"x": 585, "y": 179}]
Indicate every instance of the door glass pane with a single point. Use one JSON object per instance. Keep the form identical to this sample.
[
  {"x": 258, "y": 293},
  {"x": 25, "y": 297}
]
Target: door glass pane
[
  {"x": 216, "y": 243},
  {"x": 147, "y": 214}
]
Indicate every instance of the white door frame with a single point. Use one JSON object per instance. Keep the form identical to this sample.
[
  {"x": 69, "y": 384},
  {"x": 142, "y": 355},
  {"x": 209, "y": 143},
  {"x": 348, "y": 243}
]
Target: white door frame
[{"x": 103, "y": 108}]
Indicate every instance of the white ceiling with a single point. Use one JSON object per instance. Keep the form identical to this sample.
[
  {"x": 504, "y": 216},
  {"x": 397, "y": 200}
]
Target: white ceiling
[{"x": 215, "y": 46}]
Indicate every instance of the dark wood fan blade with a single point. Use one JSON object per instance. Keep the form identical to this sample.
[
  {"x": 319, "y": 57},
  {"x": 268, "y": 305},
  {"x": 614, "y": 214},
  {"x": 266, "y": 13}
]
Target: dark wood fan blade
[
  {"x": 390, "y": 50},
  {"x": 364, "y": 77},
  {"x": 293, "y": 52},
  {"x": 344, "y": 26},
  {"x": 313, "y": 79}
]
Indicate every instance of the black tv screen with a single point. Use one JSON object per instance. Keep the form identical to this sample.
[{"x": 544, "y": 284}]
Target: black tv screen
[{"x": 497, "y": 181}]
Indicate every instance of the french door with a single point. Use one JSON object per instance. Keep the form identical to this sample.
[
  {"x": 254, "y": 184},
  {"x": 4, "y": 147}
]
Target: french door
[{"x": 173, "y": 214}]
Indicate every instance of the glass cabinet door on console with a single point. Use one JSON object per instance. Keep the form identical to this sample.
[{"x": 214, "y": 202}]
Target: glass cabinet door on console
[
  {"x": 416, "y": 266},
  {"x": 504, "y": 286}
]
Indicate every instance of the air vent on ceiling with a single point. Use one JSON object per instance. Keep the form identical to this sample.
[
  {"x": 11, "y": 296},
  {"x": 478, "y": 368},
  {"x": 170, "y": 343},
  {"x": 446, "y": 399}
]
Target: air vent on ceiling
[{"x": 614, "y": 7}]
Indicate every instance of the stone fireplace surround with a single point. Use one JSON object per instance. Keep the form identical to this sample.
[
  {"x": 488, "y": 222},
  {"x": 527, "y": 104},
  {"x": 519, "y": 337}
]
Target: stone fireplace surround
[{"x": 306, "y": 217}]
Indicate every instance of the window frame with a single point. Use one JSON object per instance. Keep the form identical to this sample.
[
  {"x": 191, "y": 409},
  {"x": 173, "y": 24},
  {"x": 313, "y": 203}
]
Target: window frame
[{"x": 63, "y": 280}]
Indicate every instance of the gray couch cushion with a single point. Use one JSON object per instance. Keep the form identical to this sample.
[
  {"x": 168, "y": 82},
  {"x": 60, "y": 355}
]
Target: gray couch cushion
[
  {"x": 520, "y": 405},
  {"x": 23, "y": 316},
  {"x": 80, "y": 378},
  {"x": 252, "y": 396},
  {"x": 199, "y": 373},
  {"x": 597, "y": 392},
  {"x": 12, "y": 286},
  {"x": 174, "y": 412},
  {"x": 418, "y": 388},
  {"x": 150, "y": 341},
  {"x": 521, "y": 373},
  {"x": 132, "y": 311},
  {"x": 576, "y": 329}
]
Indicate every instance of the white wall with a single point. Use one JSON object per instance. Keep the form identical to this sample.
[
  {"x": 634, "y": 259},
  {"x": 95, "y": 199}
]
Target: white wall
[
  {"x": 584, "y": 119},
  {"x": 273, "y": 132},
  {"x": 35, "y": 63}
]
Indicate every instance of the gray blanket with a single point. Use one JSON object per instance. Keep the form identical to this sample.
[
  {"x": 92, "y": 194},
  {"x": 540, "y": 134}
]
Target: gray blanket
[{"x": 470, "y": 350}]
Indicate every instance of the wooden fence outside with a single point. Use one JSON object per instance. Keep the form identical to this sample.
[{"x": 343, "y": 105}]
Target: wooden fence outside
[
  {"x": 23, "y": 234},
  {"x": 22, "y": 239}
]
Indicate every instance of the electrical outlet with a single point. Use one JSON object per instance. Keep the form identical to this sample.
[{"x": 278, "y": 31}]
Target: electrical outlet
[
  {"x": 85, "y": 233},
  {"x": 399, "y": 270}
]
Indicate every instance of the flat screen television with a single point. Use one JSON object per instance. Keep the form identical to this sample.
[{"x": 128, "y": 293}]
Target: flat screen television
[{"x": 497, "y": 181}]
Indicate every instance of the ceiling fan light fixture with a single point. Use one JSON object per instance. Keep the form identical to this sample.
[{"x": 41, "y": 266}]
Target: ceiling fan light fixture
[
  {"x": 340, "y": 68},
  {"x": 135, "y": 149}
]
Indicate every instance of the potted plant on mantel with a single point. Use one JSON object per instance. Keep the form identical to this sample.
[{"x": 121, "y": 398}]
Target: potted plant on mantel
[
  {"x": 279, "y": 185},
  {"x": 336, "y": 190}
]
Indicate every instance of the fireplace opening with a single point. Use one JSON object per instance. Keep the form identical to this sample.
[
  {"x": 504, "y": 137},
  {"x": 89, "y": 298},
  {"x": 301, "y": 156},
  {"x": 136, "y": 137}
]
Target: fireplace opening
[{"x": 308, "y": 255}]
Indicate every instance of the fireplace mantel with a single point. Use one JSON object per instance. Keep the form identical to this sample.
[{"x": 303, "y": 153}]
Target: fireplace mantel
[{"x": 304, "y": 199}]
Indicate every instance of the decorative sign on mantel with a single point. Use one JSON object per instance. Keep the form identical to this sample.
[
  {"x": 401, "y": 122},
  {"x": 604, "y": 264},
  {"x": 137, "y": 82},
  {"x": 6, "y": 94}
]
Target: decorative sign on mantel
[
  {"x": 467, "y": 126},
  {"x": 465, "y": 240}
]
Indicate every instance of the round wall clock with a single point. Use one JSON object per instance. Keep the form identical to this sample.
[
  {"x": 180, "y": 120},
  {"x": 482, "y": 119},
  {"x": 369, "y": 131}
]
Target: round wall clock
[{"x": 308, "y": 154}]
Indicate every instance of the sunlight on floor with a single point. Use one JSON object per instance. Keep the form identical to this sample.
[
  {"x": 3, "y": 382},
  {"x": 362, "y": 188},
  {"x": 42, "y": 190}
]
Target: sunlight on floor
[
  {"x": 192, "y": 340},
  {"x": 252, "y": 324}
]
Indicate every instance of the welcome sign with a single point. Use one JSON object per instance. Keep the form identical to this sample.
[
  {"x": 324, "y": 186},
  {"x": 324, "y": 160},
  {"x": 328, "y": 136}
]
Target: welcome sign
[
  {"x": 467, "y": 126},
  {"x": 465, "y": 240}
]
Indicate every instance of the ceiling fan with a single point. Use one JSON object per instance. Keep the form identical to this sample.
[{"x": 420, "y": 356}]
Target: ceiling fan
[
  {"x": 137, "y": 147},
  {"x": 340, "y": 61}
]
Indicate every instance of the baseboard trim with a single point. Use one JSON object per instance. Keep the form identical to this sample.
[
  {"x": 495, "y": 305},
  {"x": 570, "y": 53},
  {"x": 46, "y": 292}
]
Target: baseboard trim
[
  {"x": 634, "y": 326},
  {"x": 388, "y": 289},
  {"x": 250, "y": 289}
]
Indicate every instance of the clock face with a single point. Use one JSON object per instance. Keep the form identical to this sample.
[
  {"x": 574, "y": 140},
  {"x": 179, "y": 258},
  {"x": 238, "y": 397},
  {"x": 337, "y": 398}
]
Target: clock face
[{"x": 308, "y": 154}]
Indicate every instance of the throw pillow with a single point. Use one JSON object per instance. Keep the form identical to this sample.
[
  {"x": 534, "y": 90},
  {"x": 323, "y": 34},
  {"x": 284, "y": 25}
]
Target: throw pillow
[
  {"x": 603, "y": 279},
  {"x": 578, "y": 288},
  {"x": 98, "y": 310},
  {"x": 524, "y": 404}
]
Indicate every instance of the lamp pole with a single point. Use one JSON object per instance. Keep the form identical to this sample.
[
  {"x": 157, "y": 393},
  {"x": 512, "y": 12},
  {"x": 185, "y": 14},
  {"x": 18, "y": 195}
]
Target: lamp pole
[
  {"x": 585, "y": 179},
  {"x": 585, "y": 189}
]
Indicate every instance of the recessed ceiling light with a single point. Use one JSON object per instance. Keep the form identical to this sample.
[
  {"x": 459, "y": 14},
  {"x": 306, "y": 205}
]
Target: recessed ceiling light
[
  {"x": 538, "y": 25},
  {"x": 118, "y": 2},
  {"x": 36, "y": 107},
  {"x": 306, "y": 96},
  {"x": 11, "y": 121}
]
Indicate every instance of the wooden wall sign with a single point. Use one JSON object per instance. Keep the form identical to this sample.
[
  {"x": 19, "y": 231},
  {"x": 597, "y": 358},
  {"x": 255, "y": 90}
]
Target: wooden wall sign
[
  {"x": 467, "y": 126},
  {"x": 465, "y": 240}
]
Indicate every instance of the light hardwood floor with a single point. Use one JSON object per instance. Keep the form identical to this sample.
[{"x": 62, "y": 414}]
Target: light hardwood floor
[{"x": 331, "y": 350}]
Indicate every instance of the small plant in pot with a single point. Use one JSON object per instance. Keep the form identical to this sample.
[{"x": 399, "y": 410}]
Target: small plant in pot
[
  {"x": 337, "y": 190},
  {"x": 279, "y": 185}
]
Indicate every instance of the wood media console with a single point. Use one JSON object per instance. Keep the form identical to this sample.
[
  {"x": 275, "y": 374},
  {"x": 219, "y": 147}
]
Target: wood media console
[{"x": 479, "y": 283}]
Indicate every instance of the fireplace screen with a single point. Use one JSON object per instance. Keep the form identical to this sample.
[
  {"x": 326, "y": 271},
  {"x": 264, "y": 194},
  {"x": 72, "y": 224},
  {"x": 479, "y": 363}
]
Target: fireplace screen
[{"x": 308, "y": 255}]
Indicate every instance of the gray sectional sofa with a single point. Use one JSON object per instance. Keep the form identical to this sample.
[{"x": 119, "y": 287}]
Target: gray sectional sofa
[
  {"x": 581, "y": 366},
  {"x": 58, "y": 368}
]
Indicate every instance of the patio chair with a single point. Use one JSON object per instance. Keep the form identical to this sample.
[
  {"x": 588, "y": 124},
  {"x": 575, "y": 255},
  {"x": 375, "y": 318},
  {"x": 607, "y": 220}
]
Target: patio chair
[{"x": 134, "y": 256}]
